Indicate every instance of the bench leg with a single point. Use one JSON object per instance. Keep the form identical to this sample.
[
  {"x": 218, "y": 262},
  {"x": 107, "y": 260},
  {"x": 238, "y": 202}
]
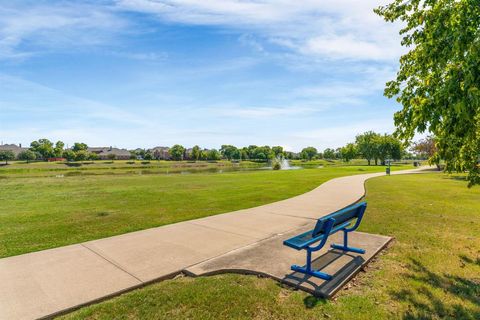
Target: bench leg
[
  {"x": 307, "y": 269},
  {"x": 345, "y": 246}
]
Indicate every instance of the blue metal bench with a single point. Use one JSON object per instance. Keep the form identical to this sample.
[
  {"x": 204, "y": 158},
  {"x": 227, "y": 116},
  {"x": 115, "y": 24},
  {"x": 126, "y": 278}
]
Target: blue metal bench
[{"x": 325, "y": 226}]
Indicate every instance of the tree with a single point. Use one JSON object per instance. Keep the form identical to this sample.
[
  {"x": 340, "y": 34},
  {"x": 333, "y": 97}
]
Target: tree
[
  {"x": 69, "y": 155},
  {"x": 58, "y": 150},
  {"x": 261, "y": 153},
  {"x": 289, "y": 155},
  {"x": 44, "y": 147},
  {"x": 438, "y": 80},
  {"x": 244, "y": 153},
  {"x": 177, "y": 152},
  {"x": 148, "y": 156},
  {"x": 268, "y": 152},
  {"x": 213, "y": 154},
  {"x": 139, "y": 153},
  {"x": 204, "y": 154},
  {"x": 367, "y": 144},
  {"x": 7, "y": 155},
  {"x": 93, "y": 156},
  {"x": 230, "y": 152},
  {"x": 196, "y": 153},
  {"x": 278, "y": 151},
  {"x": 309, "y": 153},
  {"x": 81, "y": 155},
  {"x": 251, "y": 151},
  {"x": 329, "y": 154},
  {"x": 78, "y": 146},
  {"x": 425, "y": 148},
  {"x": 338, "y": 153},
  {"x": 111, "y": 156},
  {"x": 389, "y": 147},
  {"x": 27, "y": 155},
  {"x": 349, "y": 152}
]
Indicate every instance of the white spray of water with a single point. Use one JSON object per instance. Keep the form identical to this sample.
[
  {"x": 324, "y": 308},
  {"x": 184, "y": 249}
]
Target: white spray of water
[{"x": 284, "y": 164}]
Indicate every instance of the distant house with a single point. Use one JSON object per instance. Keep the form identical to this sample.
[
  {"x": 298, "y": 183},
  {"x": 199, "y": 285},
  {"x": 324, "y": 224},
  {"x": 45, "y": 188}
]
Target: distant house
[
  {"x": 161, "y": 153},
  {"x": 13, "y": 147},
  {"x": 104, "y": 152}
]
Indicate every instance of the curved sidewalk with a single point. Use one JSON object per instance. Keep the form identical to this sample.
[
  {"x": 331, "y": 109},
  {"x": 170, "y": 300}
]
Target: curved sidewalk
[{"x": 45, "y": 283}]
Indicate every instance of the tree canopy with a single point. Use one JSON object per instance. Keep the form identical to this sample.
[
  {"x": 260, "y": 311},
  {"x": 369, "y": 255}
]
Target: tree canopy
[
  {"x": 43, "y": 147},
  {"x": 367, "y": 145},
  {"x": 79, "y": 146},
  {"x": 349, "y": 152},
  {"x": 230, "y": 152},
  {"x": 177, "y": 152},
  {"x": 309, "y": 153},
  {"x": 439, "y": 78},
  {"x": 6, "y": 155},
  {"x": 329, "y": 154},
  {"x": 27, "y": 155},
  {"x": 196, "y": 153}
]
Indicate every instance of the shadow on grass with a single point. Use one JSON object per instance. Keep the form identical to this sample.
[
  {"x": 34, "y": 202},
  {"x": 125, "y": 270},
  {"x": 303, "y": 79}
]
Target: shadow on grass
[
  {"x": 424, "y": 304},
  {"x": 464, "y": 258},
  {"x": 456, "y": 177}
]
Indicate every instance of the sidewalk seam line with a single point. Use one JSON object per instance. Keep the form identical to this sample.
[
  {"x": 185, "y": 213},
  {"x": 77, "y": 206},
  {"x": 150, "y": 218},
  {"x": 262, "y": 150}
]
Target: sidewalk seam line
[
  {"x": 292, "y": 216},
  {"x": 241, "y": 247},
  {"x": 111, "y": 262},
  {"x": 226, "y": 231},
  {"x": 225, "y": 253}
]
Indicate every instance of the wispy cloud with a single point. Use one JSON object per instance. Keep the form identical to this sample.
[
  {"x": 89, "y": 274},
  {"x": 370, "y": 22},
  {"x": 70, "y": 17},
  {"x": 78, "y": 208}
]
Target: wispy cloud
[
  {"x": 344, "y": 29},
  {"x": 28, "y": 28},
  {"x": 338, "y": 135},
  {"x": 32, "y": 101},
  {"x": 267, "y": 112}
]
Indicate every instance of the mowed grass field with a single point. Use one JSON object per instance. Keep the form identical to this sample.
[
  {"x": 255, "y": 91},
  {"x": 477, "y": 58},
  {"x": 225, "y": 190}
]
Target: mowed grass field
[
  {"x": 432, "y": 270},
  {"x": 41, "y": 209}
]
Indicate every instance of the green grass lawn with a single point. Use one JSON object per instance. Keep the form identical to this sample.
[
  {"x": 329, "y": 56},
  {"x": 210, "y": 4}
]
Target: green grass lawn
[
  {"x": 432, "y": 271},
  {"x": 40, "y": 212}
]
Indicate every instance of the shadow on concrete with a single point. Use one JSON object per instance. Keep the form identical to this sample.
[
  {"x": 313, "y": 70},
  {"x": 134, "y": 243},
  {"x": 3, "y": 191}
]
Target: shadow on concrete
[
  {"x": 322, "y": 288},
  {"x": 425, "y": 304}
]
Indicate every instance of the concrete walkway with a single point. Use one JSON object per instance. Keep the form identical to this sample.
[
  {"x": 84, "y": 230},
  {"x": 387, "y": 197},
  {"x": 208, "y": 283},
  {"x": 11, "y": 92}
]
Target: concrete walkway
[{"x": 45, "y": 283}]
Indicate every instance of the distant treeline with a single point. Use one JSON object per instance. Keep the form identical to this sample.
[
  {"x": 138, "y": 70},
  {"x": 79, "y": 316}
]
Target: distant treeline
[{"x": 369, "y": 145}]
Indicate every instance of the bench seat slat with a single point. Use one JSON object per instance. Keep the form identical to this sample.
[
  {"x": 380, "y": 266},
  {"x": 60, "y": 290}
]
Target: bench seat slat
[{"x": 303, "y": 240}]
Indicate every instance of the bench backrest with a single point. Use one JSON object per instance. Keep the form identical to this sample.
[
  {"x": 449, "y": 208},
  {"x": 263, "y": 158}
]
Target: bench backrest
[{"x": 341, "y": 216}]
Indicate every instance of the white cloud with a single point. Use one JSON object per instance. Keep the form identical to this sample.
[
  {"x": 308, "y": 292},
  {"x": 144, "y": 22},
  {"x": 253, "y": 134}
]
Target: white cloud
[
  {"x": 342, "y": 29},
  {"x": 334, "y": 137},
  {"x": 348, "y": 47},
  {"x": 33, "y": 101},
  {"x": 55, "y": 25},
  {"x": 267, "y": 112}
]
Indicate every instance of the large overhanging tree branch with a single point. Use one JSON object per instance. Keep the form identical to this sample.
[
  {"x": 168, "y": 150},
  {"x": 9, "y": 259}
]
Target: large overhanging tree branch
[{"x": 438, "y": 83}]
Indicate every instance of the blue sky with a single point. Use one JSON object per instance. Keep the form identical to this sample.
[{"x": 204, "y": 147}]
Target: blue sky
[{"x": 143, "y": 73}]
